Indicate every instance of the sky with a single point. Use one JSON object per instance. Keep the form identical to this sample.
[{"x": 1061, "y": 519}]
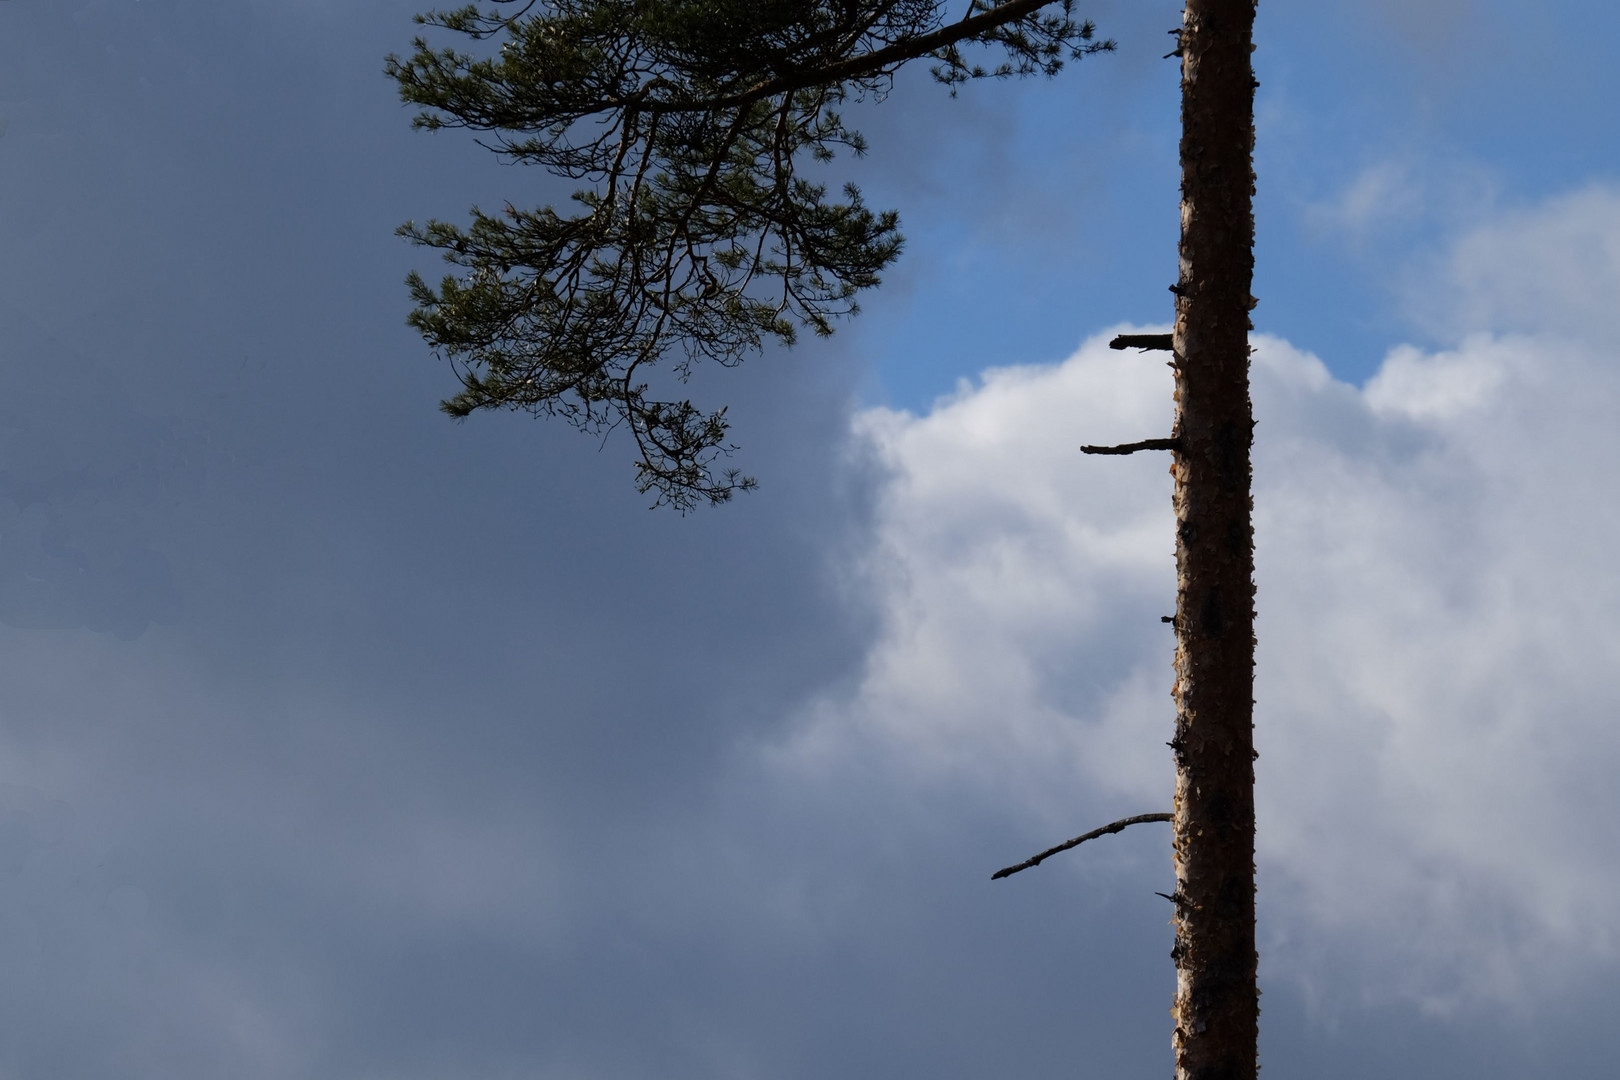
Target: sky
[{"x": 338, "y": 740}]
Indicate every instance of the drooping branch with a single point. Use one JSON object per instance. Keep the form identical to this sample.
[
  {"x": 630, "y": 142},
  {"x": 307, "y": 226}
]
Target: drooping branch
[
  {"x": 886, "y": 60},
  {"x": 695, "y": 236},
  {"x": 1113, "y": 827},
  {"x": 1036, "y": 42},
  {"x": 878, "y": 62},
  {"x": 1133, "y": 447}
]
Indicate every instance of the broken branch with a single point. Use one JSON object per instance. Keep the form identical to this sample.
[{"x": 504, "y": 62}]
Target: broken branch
[
  {"x": 1162, "y": 342},
  {"x": 1082, "y": 838},
  {"x": 1133, "y": 447}
]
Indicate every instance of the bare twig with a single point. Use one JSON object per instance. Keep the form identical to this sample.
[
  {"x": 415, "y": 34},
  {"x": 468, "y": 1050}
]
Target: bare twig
[
  {"x": 1133, "y": 447},
  {"x": 1082, "y": 838}
]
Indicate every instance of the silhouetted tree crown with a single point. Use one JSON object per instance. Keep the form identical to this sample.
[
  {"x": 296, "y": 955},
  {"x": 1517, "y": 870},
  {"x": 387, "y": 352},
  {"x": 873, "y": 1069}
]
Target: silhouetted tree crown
[{"x": 694, "y": 236}]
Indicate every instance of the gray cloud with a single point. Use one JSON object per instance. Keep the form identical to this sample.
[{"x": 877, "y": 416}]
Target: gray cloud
[{"x": 354, "y": 712}]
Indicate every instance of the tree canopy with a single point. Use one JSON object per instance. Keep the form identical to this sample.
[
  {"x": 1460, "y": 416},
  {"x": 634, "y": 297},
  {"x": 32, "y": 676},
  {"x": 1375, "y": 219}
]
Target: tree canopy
[{"x": 695, "y": 235}]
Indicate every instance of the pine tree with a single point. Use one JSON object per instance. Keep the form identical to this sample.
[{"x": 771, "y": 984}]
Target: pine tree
[
  {"x": 694, "y": 238},
  {"x": 1217, "y": 1000}
]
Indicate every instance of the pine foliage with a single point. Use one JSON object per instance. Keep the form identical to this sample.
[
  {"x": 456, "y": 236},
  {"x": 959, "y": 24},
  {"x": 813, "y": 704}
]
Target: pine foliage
[{"x": 694, "y": 236}]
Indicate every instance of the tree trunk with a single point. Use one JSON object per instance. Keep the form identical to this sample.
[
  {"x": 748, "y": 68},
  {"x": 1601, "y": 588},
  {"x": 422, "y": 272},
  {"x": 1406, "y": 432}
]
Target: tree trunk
[{"x": 1217, "y": 1001}]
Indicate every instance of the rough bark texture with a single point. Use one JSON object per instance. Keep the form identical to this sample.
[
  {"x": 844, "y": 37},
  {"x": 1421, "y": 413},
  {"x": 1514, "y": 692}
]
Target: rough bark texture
[{"x": 1217, "y": 1007}]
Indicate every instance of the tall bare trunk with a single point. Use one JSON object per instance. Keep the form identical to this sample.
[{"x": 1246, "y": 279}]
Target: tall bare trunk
[{"x": 1217, "y": 1005}]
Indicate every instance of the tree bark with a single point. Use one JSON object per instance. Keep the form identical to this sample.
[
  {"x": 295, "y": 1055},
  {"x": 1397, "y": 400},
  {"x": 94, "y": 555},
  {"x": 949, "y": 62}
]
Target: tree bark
[{"x": 1217, "y": 1010}]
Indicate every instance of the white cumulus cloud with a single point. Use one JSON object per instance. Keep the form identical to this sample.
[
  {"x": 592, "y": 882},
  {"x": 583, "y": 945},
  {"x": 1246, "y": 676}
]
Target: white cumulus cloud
[{"x": 1439, "y": 662}]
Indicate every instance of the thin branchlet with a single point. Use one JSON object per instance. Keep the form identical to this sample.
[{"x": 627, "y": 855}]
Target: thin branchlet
[{"x": 694, "y": 237}]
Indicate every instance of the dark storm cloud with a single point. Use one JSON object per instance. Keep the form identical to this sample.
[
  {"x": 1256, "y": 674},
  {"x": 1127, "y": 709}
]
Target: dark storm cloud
[
  {"x": 82, "y": 477},
  {"x": 336, "y": 692}
]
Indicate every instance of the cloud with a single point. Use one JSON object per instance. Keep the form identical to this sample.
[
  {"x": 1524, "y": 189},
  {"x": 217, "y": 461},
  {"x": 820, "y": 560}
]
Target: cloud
[
  {"x": 1381, "y": 194},
  {"x": 1439, "y": 623},
  {"x": 1548, "y": 270},
  {"x": 81, "y": 472},
  {"x": 1390, "y": 197},
  {"x": 426, "y": 752}
]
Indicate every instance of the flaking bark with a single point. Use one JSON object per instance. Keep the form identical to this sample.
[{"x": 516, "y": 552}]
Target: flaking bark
[{"x": 1216, "y": 1010}]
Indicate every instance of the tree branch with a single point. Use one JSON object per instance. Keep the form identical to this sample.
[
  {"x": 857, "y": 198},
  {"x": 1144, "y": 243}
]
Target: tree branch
[
  {"x": 1082, "y": 838},
  {"x": 1161, "y": 342},
  {"x": 856, "y": 67},
  {"x": 1133, "y": 447}
]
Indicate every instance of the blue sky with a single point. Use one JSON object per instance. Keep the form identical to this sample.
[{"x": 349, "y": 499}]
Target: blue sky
[
  {"x": 338, "y": 740},
  {"x": 1060, "y": 213}
]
